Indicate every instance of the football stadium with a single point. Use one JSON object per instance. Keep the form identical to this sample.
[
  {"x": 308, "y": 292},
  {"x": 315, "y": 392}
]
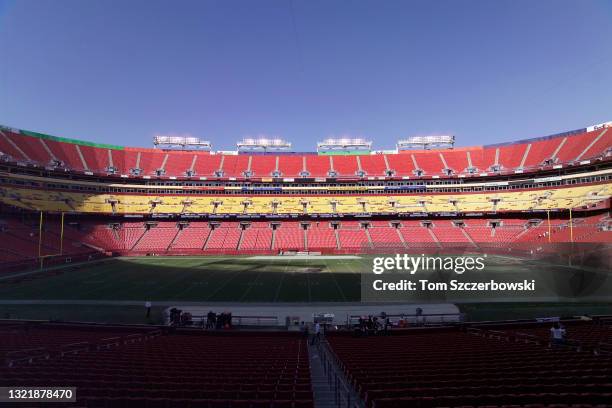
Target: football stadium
[
  {"x": 442, "y": 271},
  {"x": 281, "y": 239}
]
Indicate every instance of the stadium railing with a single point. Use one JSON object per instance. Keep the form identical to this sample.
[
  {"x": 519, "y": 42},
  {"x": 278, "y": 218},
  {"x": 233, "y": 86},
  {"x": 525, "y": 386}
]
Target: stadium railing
[
  {"x": 237, "y": 321},
  {"x": 344, "y": 394},
  {"x": 428, "y": 319}
]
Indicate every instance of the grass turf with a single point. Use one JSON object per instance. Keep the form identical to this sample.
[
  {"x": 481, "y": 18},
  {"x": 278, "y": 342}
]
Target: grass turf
[
  {"x": 233, "y": 279},
  {"x": 246, "y": 279},
  {"x": 203, "y": 279}
]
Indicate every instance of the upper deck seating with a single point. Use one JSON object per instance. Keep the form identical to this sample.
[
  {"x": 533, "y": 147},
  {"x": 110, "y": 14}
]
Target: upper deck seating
[
  {"x": 318, "y": 166},
  {"x": 291, "y": 165},
  {"x": 511, "y": 156},
  {"x": 345, "y": 165},
  {"x": 373, "y": 165},
  {"x": 32, "y": 147},
  {"x": 178, "y": 163},
  {"x": 151, "y": 161},
  {"x": 66, "y": 153},
  {"x": 575, "y": 145},
  {"x": 263, "y": 165},
  {"x": 207, "y": 164},
  {"x": 96, "y": 159},
  {"x": 430, "y": 162},
  {"x": 600, "y": 147},
  {"x": 541, "y": 151},
  {"x": 8, "y": 147},
  {"x": 401, "y": 164},
  {"x": 235, "y": 165},
  {"x": 457, "y": 161},
  {"x": 529, "y": 154}
]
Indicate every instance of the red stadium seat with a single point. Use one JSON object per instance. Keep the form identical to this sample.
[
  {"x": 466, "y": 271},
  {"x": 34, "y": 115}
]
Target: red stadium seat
[{"x": 194, "y": 368}]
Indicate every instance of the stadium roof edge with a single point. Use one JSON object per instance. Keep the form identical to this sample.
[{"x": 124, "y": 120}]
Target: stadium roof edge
[
  {"x": 63, "y": 139},
  {"x": 537, "y": 139}
]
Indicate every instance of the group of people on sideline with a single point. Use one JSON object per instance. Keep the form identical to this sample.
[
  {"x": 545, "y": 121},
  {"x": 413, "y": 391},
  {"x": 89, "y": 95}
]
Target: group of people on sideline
[
  {"x": 180, "y": 318},
  {"x": 217, "y": 321},
  {"x": 373, "y": 325}
]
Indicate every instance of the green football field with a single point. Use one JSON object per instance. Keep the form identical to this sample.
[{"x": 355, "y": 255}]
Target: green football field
[
  {"x": 283, "y": 279},
  {"x": 196, "y": 279},
  {"x": 115, "y": 289}
]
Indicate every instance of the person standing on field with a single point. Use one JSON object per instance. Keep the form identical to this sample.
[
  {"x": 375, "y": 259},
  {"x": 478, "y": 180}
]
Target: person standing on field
[{"x": 148, "y": 307}]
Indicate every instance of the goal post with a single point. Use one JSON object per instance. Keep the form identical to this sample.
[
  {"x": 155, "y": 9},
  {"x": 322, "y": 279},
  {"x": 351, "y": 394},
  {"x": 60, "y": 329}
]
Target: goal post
[{"x": 42, "y": 257}]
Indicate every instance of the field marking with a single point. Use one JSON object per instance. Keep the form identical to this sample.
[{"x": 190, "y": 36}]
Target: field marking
[
  {"x": 188, "y": 269},
  {"x": 304, "y": 257},
  {"x": 236, "y": 273},
  {"x": 167, "y": 258},
  {"x": 333, "y": 275},
  {"x": 194, "y": 284},
  {"x": 350, "y": 268},
  {"x": 170, "y": 278},
  {"x": 54, "y": 268},
  {"x": 178, "y": 278},
  {"x": 61, "y": 279},
  {"x": 308, "y": 287},
  {"x": 250, "y": 286},
  {"x": 109, "y": 282},
  {"x": 280, "y": 284}
]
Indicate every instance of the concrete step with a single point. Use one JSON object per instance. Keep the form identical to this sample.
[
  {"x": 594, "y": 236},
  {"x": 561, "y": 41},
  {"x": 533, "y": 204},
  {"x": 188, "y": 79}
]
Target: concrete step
[
  {"x": 323, "y": 394},
  {"x": 323, "y": 387}
]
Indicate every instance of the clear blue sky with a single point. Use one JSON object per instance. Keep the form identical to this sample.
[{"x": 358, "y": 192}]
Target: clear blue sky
[{"x": 120, "y": 71}]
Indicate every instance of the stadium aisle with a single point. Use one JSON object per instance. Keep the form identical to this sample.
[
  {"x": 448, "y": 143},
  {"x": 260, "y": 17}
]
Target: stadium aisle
[{"x": 323, "y": 391}]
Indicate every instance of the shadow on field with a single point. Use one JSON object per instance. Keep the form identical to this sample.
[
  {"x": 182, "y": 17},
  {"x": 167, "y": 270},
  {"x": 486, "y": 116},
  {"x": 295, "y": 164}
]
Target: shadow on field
[{"x": 231, "y": 279}]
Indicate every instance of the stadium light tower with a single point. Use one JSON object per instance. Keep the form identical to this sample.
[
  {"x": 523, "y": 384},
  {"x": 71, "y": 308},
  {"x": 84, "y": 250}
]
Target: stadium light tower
[
  {"x": 181, "y": 143},
  {"x": 263, "y": 144},
  {"x": 426, "y": 142},
  {"x": 344, "y": 144}
]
